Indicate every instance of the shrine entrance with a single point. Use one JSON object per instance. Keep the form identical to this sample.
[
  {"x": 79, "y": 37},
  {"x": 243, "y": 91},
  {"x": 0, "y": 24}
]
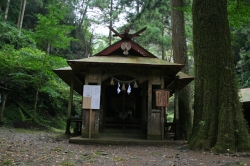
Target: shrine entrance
[{"x": 123, "y": 109}]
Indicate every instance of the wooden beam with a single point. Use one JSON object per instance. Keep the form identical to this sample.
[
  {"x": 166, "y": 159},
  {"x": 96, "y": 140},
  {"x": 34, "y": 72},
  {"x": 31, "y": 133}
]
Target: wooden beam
[
  {"x": 139, "y": 49},
  {"x": 111, "y": 48}
]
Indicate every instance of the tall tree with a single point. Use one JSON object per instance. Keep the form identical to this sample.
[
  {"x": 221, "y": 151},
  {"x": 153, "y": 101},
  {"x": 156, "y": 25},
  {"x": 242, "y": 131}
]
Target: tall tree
[
  {"x": 7, "y": 10},
  {"x": 21, "y": 15},
  {"x": 155, "y": 15},
  {"x": 110, "y": 20},
  {"x": 52, "y": 34},
  {"x": 81, "y": 31},
  {"x": 109, "y": 13},
  {"x": 219, "y": 124},
  {"x": 180, "y": 56}
]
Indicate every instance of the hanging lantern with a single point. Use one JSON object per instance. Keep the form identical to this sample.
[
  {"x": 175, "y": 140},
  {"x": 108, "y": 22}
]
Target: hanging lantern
[
  {"x": 135, "y": 85},
  {"x": 123, "y": 87},
  {"x": 112, "y": 82}
]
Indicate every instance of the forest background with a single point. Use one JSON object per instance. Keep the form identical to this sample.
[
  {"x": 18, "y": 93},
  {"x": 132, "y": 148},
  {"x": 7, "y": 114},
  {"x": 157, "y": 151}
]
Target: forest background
[{"x": 37, "y": 36}]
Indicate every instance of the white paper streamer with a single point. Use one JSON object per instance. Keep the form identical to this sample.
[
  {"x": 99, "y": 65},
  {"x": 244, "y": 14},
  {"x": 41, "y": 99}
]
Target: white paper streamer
[
  {"x": 129, "y": 89},
  {"x": 118, "y": 88}
]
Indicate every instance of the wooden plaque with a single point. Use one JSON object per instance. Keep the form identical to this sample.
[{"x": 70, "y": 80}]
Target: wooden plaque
[
  {"x": 86, "y": 103},
  {"x": 162, "y": 98}
]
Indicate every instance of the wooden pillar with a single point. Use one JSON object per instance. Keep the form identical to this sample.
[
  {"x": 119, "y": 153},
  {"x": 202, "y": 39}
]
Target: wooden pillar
[
  {"x": 90, "y": 118},
  {"x": 149, "y": 106},
  {"x": 144, "y": 109},
  {"x": 99, "y": 112},
  {"x": 102, "y": 110},
  {"x": 162, "y": 110},
  {"x": 85, "y": 115},
  {"x": 176, "y": 109},
  {"x": 70, "y": 105},
  {"x": 149, "y": 98}
]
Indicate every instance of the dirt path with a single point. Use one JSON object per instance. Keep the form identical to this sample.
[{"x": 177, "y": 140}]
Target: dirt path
[{"x": 47, "y": 149}]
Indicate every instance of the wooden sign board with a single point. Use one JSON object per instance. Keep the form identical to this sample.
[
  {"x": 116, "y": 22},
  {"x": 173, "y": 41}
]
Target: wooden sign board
[
  {"x": 162, "y": 98},
  {"x": 91, "y": 97}
]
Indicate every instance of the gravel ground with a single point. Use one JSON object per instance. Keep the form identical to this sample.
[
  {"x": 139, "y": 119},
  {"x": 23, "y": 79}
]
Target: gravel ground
[{"x": 43, "y": 148}]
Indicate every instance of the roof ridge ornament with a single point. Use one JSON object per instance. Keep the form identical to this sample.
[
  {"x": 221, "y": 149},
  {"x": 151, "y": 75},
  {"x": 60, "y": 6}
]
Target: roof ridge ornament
[
  {"x": 126, "y": 37},
  {"x": 125, "y": 46}
]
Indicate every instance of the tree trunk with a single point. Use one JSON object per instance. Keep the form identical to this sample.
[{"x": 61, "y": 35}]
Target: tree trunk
[
  {"x": 3, "y": 106},
  {"x": 219, "y": 124},
  {"x": 180, "y": 56},
  {"x": 7, "y": 10},
  {"x": 40, "y": 83},
  {"x": 80, "y": 35},
  {"x": 21, "y": 17},
  {"x": 22, "y": 109},
  {"x": 162, "y": 44},
  {"x": 110, "y": 20}
]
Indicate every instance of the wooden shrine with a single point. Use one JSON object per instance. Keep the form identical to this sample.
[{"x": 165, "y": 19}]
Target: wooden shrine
[{"x": 128, "y": 76}]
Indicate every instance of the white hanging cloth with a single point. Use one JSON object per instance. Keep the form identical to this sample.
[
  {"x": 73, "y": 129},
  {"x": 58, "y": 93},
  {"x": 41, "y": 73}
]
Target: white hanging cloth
[
  {"x": 118, "y": 88},
  {"x": 129, "y": 89}
]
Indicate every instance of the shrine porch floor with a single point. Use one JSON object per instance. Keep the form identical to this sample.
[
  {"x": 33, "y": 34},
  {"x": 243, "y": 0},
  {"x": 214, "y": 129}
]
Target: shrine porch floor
[{"x": 116, "y": 140}]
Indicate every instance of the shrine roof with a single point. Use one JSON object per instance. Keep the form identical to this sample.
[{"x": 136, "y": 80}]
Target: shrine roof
[
  {"x": 125, "y": 52},
  {"x": 130, "y": 59},
  {"x": 116, "y": 49}
]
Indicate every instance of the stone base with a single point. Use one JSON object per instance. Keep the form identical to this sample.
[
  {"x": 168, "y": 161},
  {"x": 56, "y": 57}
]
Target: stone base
[
  {"x": 154, "y": 137},
  {"x": 86, "y": 135}
]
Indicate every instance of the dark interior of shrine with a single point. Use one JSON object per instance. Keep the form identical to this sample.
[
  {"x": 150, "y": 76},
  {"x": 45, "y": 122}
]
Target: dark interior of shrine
[{"x": 123, "y": 110}]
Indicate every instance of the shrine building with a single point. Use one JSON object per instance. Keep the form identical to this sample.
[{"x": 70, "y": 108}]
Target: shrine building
[{"x": 125, "y": 89}]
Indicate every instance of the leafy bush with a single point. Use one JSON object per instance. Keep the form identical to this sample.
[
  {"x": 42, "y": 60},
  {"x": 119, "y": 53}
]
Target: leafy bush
[
  {"x": 9, "y": 35},
  {"x": 20, "y": 71}
]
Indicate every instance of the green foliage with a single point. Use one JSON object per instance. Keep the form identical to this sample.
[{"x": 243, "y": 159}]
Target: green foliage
[
  {"x": 9, "y": 35},
  {"x": 156, "y": 18},
  {"x": 107, "y": 13},
  {"x": 238, "y": 13},
  {"x": 20, "y": 71},
  {"x": 243, "y": 67},
  {"x": 49, "y": 31},
  {"x": 101, "y": 42}
]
